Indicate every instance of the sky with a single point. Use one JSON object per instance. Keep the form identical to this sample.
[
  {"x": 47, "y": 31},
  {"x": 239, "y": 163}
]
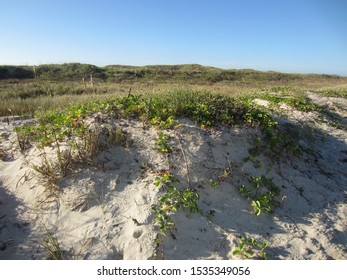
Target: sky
[{"x": 301, "y": 36}]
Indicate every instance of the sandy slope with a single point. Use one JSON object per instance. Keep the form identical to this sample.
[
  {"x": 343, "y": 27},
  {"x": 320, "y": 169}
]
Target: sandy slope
[{"x": 104, "y": 211}]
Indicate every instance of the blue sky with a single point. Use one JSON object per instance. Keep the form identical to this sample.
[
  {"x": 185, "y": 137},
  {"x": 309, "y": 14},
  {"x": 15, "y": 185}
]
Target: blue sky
[{"x": 303, "y": 36}]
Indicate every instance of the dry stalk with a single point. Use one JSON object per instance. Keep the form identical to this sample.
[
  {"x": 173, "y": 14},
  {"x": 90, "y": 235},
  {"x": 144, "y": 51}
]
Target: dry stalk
[
  {"x": 8, "y": 119},
  {"x": 185, "y": 158}
]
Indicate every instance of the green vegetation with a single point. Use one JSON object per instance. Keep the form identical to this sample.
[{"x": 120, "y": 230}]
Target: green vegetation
[
  {"x": 334, "y": 92},
  {"x": 68, "y": 125},
  {"x": 162, "y": 144},
  {"x": 275, "y": 143},
  {"x": 52, "y": 246},
  {"x": 249, "y": 248},
  {"x": 57, "y": 125},
  {"x": 173, "y": 200},
  {"x": 185, "y": 72},
  {"x": 204, "y": 108},
  {"x": 213, "y": 184},
  {"x": 262, "y": 193},
  {"x": 299, "y": 101},
  {"x": 26, "y": 89}
]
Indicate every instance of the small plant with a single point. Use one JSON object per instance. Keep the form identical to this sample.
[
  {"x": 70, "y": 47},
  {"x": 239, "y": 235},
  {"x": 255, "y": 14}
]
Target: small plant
[
  {"x": 226, "y": 172},
  {"x": 51, "y": 244},
  {"x": 162, "y": 144},
  {"x": 121, "y": 138},
  {"x": 24, "y": 135},
  {"x": 167, "y": 205},
  {"x": 87, "y": 144},
  {"x": 256, "y": 117},
  {"x": 165, "y": 178},
  {"x": 273, "y": 143},
  {"x": 116, "y": 136},
  {"x": 48, "y": 169},
  {"x": 189, "y": 201},
  {"x": 213, "y": 184},
  {"x": 250, "y": 248},
  {"x": 262, "y": 194},
  {"x": 279, "y": 142},
  {"x": 170, "y": 122},
  {"x": 171, "y": 201}
]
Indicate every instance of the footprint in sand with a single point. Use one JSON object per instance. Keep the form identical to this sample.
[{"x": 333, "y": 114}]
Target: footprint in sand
[{"x": 137, "y": 233}]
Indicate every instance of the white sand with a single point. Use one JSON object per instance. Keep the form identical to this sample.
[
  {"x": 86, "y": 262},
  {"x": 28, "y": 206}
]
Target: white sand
[{"x": 105, "y": 212}]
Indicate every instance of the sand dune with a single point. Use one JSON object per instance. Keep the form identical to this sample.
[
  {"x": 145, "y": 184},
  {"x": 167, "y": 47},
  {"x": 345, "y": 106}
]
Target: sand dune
[{"x": 104, "y": 211}]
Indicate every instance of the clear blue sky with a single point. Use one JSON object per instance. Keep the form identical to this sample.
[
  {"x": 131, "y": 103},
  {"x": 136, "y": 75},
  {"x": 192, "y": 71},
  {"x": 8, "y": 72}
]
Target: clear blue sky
[{"x": 306, "y": 36}]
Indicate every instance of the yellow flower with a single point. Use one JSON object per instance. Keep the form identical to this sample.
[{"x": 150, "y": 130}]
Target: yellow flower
[{"x": 166, "y": 207}]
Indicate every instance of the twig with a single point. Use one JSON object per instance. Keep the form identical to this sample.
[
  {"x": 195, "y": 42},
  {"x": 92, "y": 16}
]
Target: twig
[
  {"x": 8, "y": 119},
  {"x": 26, "y": 178},
  {"x": 185, "y": 159},
  {"x": 91, "y": 80}
]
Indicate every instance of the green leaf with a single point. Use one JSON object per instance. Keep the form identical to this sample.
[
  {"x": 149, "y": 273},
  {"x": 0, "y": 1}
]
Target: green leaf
[
  {"x": 249, "y": 252},
  {"x": 263, "y": 256},
  {"x": 158, "y": 240},
  {"x": 162, "y": 229},
  {"x": 157, "y": 181},
  {"x": 252, "y": 241},
  {"x": 257, "y": 211},
  {"x": 164, "y": 198},
  {"x": 263, "y": 245},
  {"x": 237, "y": 251}
]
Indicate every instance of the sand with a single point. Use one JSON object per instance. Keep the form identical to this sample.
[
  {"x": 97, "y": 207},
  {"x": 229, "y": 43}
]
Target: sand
[{"x": 104, "y": 211}]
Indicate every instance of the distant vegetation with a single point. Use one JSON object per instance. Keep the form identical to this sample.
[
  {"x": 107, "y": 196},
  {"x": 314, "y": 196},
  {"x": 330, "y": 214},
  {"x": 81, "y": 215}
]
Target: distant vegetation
[
  {"x": 192, "y": 73},
  {"x": 25, "y": 89}
]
